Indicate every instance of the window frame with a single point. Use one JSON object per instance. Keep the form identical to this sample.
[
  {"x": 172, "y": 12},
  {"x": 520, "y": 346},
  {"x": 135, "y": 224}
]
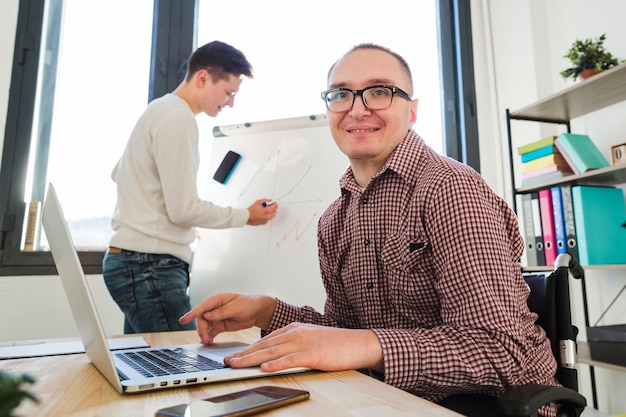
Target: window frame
[
  {"x": 459, "y": 115},
  {"x": 173, "y": 39},
  {"x": 19, "y": 123}
]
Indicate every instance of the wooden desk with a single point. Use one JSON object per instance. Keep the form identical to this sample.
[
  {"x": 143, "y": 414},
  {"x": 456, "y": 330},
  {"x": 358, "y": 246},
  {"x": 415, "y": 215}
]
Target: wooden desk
[{"x": 69, "y": 386}]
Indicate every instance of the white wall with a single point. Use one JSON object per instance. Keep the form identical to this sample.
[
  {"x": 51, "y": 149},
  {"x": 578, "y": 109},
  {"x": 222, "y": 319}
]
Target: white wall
[
  {"x": 35, "y": 307},
  {"x": 518, "y": 55},
  {"x": 519, "y": 47}
]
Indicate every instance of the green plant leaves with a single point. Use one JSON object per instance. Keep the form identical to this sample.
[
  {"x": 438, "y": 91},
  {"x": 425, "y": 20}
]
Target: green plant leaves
[
  {"x": 12, "y": 392},
  {"x": 586, "y": 54}
]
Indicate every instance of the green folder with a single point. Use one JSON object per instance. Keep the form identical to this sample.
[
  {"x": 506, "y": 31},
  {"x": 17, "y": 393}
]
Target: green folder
[
  {"x": 600, "y": 217},
  {"x": 533, "y": 146}
]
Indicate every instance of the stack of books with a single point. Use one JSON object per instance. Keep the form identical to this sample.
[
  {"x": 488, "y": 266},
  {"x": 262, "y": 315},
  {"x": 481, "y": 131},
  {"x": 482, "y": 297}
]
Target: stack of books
[{"x": 542, "y": 161}]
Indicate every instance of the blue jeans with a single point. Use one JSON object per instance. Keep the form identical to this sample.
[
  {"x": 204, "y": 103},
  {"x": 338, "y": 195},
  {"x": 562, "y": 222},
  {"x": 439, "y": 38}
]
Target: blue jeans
[{"x": 150, "y": 289}]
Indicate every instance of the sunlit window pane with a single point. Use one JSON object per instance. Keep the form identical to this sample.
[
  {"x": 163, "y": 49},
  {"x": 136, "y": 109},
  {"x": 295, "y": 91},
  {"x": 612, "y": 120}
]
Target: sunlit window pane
[
  {"x": 101, "y": 89},
  {"x": 292, "y": 46}
]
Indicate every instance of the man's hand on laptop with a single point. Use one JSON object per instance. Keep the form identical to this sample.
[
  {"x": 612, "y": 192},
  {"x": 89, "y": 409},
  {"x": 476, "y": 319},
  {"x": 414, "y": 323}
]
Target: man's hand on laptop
[
  {"x": 227, "y": 312},
  {"x": 312, "y": 346}
]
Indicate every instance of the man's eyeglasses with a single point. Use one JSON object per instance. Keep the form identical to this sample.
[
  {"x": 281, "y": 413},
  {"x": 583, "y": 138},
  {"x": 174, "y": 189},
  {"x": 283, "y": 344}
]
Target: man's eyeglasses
[{"x": 375, "y": 97}]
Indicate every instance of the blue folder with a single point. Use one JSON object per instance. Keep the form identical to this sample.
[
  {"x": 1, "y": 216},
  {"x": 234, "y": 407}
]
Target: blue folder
[{"x": 559, "y": 220}]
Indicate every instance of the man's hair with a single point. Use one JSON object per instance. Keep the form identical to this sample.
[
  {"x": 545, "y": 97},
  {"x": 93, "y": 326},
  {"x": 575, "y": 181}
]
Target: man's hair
[
  {"x": 220, "y": 60},
  {"x": 400, "y": 59}
]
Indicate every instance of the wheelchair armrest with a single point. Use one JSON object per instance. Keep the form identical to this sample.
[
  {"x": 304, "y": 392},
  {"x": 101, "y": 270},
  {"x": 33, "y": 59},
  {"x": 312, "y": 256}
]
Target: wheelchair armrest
[{"x": 527, "y": 399}]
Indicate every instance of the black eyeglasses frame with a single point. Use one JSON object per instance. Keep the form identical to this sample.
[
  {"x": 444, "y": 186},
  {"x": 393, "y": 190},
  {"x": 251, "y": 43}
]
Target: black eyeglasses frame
[{"x": 394, "y": 90}]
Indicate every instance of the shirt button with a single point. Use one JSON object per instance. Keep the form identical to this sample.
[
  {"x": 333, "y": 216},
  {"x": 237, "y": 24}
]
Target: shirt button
[
  {"x": 365, "y": 200},
  {"x": 366, "y": 242},
  {"x": 370, "y": 285}
]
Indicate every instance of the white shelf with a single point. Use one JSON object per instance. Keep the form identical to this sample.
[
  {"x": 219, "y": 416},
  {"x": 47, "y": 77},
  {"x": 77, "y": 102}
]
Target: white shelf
[
  {"x": 612, "y": 175},
  {"x": 595, "y": 93},
  {"x": 584, "y": 97}
]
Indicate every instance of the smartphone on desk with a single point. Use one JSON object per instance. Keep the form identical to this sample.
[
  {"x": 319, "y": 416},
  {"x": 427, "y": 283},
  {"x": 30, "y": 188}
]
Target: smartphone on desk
[{"x": 241, "y": 403}]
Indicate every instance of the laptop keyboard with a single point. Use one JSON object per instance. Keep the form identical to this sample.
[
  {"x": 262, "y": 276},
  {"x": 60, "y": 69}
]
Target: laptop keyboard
[{"x": 168, "y": 362}]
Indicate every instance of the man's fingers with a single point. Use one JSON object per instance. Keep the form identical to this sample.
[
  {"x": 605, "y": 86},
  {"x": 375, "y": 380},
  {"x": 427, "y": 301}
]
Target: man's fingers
[{"x": 206, "y": 307}]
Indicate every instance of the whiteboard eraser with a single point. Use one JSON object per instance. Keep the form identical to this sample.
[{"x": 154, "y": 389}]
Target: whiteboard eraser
[{"x": 226, "y": 168}]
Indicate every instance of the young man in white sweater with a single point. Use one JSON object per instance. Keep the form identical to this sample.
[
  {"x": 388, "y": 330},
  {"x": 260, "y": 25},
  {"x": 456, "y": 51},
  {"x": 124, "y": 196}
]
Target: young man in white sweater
[{"x": 146, "y": 267}]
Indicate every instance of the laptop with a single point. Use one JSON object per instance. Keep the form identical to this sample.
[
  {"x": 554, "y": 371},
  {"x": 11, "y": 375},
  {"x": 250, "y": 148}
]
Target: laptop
[{"x": 141, "y": 369}]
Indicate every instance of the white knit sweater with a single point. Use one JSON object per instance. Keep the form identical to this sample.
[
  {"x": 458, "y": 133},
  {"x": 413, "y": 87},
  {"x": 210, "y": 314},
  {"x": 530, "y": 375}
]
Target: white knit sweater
[{"x": 158, "y": 204}]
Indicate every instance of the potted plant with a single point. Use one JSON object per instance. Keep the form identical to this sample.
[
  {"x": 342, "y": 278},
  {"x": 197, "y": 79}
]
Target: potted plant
[
  {"x": 588, "y": 57},
  {"x": 12, "y": 392}
]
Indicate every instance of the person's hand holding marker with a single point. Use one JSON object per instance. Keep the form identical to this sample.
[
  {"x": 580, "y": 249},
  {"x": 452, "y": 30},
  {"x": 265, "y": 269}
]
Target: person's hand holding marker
[{"x": 261, "y": 212}]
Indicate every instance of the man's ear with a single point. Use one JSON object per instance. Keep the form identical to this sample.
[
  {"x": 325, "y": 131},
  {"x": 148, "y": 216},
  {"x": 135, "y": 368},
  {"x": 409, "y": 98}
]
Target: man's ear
[
  {"x": 202, "y": 77},
  {"x": 414, "y": 105}
]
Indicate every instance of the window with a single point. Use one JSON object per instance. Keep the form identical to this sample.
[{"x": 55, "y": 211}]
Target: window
[
  {"x": 91, "y": 72},
  {"x": 292, "y": 47},
  {"x": 101, "y": 89},
  {"x": 83, "y": 73}
]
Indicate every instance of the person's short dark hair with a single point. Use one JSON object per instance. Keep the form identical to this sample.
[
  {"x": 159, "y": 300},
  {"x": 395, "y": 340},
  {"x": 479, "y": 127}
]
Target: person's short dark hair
[
  {"x": 399, "y": 57},
  {"x": 220, "y": 60}
]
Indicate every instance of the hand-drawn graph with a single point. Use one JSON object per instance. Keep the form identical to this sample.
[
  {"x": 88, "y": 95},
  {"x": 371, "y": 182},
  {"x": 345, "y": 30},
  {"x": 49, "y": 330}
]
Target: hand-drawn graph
[
  {"x": 297, "y": 166},
  {"x": 288, "y": 170}
]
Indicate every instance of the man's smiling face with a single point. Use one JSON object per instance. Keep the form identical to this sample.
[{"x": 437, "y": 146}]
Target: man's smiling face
[{"x": 369, "y": 136}]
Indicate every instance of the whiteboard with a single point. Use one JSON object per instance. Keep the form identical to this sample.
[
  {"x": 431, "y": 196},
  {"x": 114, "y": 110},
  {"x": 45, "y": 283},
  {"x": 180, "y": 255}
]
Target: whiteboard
[{"x": 294, "y": 162}]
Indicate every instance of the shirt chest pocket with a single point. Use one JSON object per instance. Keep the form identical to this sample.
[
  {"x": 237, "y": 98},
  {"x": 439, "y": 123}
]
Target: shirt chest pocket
[{"x": 403, "y": 253}]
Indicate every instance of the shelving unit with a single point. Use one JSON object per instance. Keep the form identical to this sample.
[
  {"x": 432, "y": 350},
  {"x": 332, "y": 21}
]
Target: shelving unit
[
  {"x": 596, "y": 93},
  {"x": 601, "y": 91}
]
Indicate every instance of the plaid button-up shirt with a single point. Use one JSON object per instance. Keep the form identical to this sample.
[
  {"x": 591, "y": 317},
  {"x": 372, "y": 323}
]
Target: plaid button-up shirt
[{"x": 427, "y": 256}]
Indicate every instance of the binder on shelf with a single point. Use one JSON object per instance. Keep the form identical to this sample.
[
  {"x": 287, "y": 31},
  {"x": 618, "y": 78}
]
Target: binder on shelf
[
  {"x": 533, "y": 146},
  {"x": 541, "y": 257},
  {"x": 580, "y": 152},
  {"x": 529, "y": 230},
  {"x": 547, "y": 225},
  {"x": 559, "y": 222},
  {"x": 568, "y": 220},
  {"x": 600, "y": 217}
]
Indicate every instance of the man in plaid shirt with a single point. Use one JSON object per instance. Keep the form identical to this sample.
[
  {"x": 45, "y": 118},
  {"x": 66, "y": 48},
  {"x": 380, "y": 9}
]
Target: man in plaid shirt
[{"x": 419, "y": 258}]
